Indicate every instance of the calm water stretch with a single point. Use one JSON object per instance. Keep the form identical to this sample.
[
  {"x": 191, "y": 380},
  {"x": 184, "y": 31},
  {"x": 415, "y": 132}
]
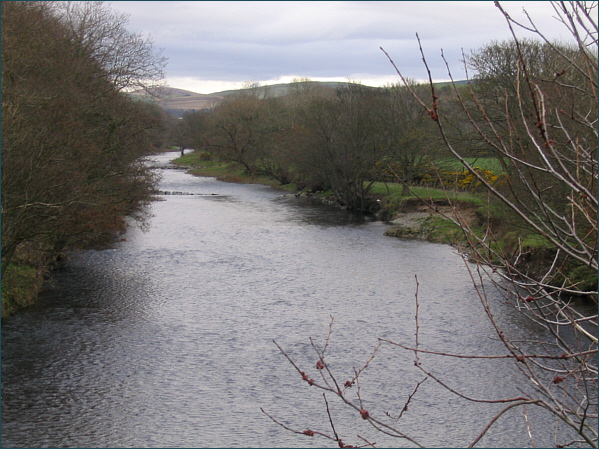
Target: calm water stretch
[{"x": 166, "y": 340}]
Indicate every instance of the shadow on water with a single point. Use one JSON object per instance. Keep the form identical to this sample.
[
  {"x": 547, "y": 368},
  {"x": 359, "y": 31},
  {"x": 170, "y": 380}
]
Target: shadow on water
[{"x": 315, "y": 212}]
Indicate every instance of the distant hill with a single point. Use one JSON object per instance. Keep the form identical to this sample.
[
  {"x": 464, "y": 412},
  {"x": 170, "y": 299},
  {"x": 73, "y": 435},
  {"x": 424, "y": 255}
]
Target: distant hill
[
  {"x": 280, "y": 90},
  {"x": 177, "y": 101}
]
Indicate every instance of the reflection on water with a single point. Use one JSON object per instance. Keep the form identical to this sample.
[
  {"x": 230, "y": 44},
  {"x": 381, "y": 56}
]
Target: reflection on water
[{"x": 166, "y": 340}]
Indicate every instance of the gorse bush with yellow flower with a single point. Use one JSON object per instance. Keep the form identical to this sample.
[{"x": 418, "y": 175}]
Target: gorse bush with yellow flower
[{"x": 463, "y": 180}]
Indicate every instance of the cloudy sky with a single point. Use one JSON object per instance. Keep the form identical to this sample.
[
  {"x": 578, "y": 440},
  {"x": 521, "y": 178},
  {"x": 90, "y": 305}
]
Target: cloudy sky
[{"x": 217, "y": 45}]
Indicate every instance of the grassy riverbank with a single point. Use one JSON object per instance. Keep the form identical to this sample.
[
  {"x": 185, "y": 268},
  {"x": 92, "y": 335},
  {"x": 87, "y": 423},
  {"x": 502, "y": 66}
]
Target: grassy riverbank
[
  {"x": 20, "y": 286},
  {"x": 394, "y": 205},
  {"x": 200, "y": 165}
]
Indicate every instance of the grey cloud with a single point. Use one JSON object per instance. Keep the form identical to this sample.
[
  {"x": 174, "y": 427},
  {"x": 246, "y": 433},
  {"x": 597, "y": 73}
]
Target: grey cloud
[
  {"x": 239, "y": 41},
  {"x": 214, "y": 60}
]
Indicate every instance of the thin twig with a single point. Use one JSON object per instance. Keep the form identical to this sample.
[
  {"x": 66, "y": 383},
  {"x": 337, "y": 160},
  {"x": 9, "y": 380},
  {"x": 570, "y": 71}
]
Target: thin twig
[
  {"x": 330, "y": 417},
  {"x": 496, "y": 417},
  {"x": 307, "y": 432}
]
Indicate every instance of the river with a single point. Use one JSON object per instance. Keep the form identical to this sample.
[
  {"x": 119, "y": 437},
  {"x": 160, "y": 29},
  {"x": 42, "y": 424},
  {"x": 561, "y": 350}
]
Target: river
[{"x": 166, "y": 340}]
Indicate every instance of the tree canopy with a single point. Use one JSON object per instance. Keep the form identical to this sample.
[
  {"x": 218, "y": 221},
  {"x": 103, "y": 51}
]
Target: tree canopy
[{"x": 72, "y": 139}]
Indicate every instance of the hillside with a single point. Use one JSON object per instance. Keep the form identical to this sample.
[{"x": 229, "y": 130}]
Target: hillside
[
  {"x": 279, "y": 90},
  {"x": 177, "y": 101}
]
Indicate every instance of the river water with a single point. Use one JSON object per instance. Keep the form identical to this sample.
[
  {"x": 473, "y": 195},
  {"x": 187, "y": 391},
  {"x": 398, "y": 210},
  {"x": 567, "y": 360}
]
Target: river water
[{"x": 166, "y": 340}]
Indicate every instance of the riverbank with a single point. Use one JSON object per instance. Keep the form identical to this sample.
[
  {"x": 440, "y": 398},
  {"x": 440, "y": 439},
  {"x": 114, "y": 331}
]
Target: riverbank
[
  {"x": 20, "y": 286},
  {"x": 408, "y": 216},
  {"x": 428, "y": 214},
  {"x": 24, "y": 278}
]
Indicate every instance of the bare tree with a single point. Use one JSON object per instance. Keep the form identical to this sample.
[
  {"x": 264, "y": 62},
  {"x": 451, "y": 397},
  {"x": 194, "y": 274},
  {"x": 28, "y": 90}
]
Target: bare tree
[
  {"x": 72, "y": 141},
  {"x": 550, "y": 146},
  {"x": 343, "y": 142},
  {"x": 129, "y": 60},
  {"x": 237, "y": 130},
  {"x": 407, "y": 131}
]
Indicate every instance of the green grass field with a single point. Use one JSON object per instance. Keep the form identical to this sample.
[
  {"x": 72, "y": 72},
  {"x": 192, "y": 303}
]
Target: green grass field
[
  {"x": 394, "y": 190},
  {"x": 486, "y": 163},
  {"x": 226, "y": 171}
]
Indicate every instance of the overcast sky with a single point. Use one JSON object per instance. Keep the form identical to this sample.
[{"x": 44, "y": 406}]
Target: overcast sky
[{"x": 217, "y": 45}]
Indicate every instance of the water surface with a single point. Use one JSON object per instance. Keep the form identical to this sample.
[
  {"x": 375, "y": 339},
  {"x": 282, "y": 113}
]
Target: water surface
[{"x": 166, "y": 339}]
